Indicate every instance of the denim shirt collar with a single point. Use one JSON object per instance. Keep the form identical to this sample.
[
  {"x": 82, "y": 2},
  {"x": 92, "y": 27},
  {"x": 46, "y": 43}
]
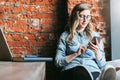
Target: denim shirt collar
[{"x": 80, "y": 33}]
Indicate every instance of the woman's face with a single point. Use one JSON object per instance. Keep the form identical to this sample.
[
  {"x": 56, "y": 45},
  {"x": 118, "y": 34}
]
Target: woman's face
[{"x": 84, "y": 18}]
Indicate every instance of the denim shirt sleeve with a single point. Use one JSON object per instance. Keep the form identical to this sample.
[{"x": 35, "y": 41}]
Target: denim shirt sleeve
[
  {"x": 60, "y": 59},
  {"x": 101, "y": 63}
]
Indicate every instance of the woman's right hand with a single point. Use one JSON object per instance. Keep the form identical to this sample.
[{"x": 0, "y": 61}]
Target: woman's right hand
[{"x": 81, "y": 50}]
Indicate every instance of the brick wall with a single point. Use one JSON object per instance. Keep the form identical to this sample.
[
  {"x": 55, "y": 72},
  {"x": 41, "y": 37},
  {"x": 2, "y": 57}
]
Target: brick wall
[
  {"x": 33, "y": 26},
  {"x": 29, "y": 25}
]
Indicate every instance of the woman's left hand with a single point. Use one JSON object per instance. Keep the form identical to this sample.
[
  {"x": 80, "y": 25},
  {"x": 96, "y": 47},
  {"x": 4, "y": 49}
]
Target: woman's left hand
[{"x": 95, "y": 48}]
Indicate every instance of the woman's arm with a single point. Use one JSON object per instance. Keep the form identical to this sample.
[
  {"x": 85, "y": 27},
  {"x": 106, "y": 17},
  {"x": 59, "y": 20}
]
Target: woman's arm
[
  {"x": 99, "y": 53},
  {"x": 61, "y": 58}
]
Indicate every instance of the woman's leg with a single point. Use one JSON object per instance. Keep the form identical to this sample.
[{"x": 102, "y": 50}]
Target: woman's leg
[
  {"x": 108, "y": 73},
  {"x": 77, "y": 73}
]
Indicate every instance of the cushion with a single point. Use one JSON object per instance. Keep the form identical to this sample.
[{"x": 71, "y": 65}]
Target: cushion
[{"x": 116, "y": 64}]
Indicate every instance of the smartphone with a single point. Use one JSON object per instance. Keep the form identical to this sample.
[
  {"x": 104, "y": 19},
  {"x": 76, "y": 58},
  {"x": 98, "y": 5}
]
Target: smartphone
[{"x": 94, "y": 40}]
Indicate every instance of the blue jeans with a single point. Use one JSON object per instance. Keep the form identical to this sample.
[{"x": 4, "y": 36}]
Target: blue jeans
[{"x": 95, "y": 75}]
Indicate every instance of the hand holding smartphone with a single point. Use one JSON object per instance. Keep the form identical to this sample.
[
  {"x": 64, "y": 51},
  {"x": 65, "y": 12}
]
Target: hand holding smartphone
[{"x": 94, "y": 40}]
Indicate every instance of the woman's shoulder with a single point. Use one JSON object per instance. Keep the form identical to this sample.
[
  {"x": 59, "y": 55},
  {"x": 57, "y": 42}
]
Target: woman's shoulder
[
  {"x": 94, "y": 33},
  {"x": 64, "y": 34}
]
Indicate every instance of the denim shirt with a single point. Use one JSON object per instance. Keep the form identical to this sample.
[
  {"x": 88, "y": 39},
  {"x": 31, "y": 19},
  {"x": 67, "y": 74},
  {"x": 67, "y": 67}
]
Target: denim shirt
[{"x": 87, "y": 59}]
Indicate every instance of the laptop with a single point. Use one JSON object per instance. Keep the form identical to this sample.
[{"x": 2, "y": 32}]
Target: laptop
[{"x": 6, "y": 55}]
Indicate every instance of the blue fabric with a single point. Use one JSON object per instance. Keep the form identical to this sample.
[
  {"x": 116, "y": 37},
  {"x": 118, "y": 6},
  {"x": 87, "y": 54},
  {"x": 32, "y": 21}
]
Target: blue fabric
[{"x": 95, "y": 75}]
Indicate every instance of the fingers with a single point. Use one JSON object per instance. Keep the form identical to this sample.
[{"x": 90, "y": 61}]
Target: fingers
[
  {"x": 97, "y": 42},
  {"x": 95, "y": 48},
  {"x": 82, "y": 49}
]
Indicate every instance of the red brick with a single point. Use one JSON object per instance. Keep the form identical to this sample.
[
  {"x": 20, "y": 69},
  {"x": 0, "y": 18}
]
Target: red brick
[
  {"x": 18, "y": 9},
  {"x": 13, "y": 16},
  {"x": 17, "y": 23},
  {"x": 26, "y": 15},
  {"x": 31, "y": 50},
  {"x": 8, "y": 9},
  {"x": 8, "y": 37},
  {"x": 97, "y": 3},
  {"x": 30, "y": 37},
  {"x": 48, "y": 9},
  {"x": 9, "y": 23},
  {"x": 45, "y": 28},
  {"x": 43, "y": 37},
  {"x": 2, "y": 1},
  {"x": 41, "y": 2},
  {"x": 47, "y": 21},
  {"x": 34, "y": 43},
  {"x": 16, "y": 29},
  {"x": 31, "y": 9},
  {"x": 43, "y": 15},
  {"x": 72, "y": 3},
  {"x": 35, "y": 30},
  {"x": 96, "y": 11},
  {"x": 20, "y": 23},
  {"x": 11, "y": 1},
  {"x": 99, "y": 19},
  {"x": 18, "y": 43},
  {"x": 18, "y": 37},
  {"x": 21, "y": 1},
  {"x": 1, "y": 9},
  {"x": 38, "y": 43},
  {"x": 27, "y": 1},
  {"x": 18, "y": 50},
  {"x": 1, "y": 22},
  {"x": 2, "y": 15},
  {"x": 90, "y": 2}
]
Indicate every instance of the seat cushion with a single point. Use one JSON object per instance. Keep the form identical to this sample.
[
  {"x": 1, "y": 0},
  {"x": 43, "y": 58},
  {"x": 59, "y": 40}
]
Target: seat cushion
[{"x": 116, "y": 64}]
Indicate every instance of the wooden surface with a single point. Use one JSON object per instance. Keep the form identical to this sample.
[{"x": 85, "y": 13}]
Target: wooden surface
[{"x": 22, "y": 70}]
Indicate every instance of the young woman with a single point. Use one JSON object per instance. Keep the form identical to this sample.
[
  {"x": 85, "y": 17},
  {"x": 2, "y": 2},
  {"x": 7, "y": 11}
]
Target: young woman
[{"x": 79, "y": 58}]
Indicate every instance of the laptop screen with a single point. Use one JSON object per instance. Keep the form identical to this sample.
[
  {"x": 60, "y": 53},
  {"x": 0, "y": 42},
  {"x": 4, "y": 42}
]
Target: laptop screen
[{"x": 5, "y": 54}]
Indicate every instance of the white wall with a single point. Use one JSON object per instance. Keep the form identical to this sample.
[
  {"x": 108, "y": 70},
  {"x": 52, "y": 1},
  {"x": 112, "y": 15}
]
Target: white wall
[{"x": 115, "y": 28}]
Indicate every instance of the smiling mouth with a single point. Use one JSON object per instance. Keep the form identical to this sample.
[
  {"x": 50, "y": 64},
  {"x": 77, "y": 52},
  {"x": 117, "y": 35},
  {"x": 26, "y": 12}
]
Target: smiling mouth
[{"x": 84, "y": 23}]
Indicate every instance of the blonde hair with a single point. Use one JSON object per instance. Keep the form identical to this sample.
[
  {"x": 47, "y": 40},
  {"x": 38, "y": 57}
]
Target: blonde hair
[{"x": 73, "y": 22}]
